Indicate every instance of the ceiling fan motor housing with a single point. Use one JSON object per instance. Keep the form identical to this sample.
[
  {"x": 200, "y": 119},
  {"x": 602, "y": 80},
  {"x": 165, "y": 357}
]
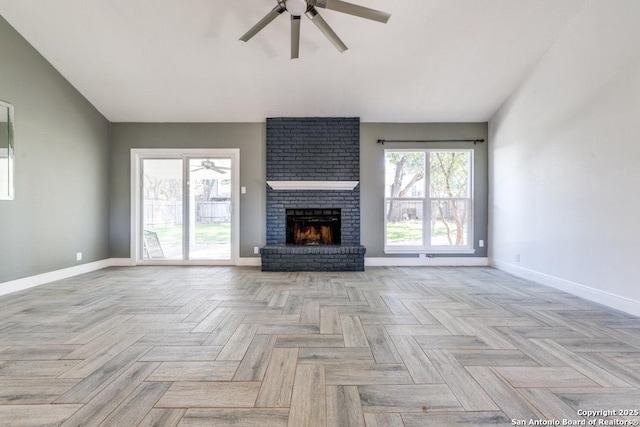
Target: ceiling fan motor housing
[{"x": 296, "y": 7}]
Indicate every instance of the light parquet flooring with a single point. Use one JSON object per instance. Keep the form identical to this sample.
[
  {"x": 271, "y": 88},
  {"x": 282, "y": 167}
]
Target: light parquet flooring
[{"x": 223, "y": 346}]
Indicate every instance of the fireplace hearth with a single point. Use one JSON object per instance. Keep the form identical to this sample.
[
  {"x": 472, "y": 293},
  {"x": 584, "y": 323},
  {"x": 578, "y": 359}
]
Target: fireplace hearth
[{"x": 313, "y": 227}]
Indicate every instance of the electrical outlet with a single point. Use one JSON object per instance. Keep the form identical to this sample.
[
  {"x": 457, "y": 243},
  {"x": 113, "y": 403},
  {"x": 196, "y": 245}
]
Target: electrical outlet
[
  {"x": 481, "y": 243},
  {"x": 79, "y": 256},
  {"x": 517, "y": 258},
  {"x": 256, "y": 250}
]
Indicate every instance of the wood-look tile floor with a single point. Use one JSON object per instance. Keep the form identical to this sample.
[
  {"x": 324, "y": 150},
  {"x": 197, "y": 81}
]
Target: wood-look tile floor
[{"x": 211, "y": 346}]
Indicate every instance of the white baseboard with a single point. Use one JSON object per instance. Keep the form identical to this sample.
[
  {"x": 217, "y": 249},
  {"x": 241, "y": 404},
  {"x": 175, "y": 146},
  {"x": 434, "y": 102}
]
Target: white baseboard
[
  {"x": 369, "y": 262},
  {"x": 240, "y": 262},
  {"x": 617, "y": 302},
  {"x": 426, "y": 262},
  {"x": 52, "y": 276},
  {"x": 122, "y": 262},
  {"x": 248, "y": 262},
  {"x": 399, "y": 262}
]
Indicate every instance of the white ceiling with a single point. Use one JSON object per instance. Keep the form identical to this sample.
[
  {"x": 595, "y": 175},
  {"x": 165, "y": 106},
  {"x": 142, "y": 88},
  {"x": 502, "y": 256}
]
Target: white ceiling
[{"x": 181, "y": 61}]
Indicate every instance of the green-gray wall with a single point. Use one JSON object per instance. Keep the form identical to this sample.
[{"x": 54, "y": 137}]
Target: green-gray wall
[
  {"x": 73, "y": 171},
  {"x": 248, "y": 137},
  {"x": 61, "y": 204}
]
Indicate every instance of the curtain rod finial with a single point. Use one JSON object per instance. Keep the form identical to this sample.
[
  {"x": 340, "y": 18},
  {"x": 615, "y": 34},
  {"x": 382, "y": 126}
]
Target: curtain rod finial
[{"x": 381, "y": 141}]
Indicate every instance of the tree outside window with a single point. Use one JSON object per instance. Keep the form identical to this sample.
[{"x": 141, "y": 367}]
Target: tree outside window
[{"x": 428, "y": 184}]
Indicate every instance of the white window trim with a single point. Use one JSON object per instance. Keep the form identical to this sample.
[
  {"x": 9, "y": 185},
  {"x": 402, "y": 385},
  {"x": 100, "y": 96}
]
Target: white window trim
[{"x": 427, "y": 248}]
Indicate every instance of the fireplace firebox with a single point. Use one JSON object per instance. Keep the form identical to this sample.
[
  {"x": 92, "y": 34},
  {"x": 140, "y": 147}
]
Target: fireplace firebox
[{"x": 313, "y": 227}]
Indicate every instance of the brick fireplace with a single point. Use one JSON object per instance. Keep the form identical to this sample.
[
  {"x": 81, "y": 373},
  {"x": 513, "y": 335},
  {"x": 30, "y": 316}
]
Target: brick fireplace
[{"x": 313, "y": 195}]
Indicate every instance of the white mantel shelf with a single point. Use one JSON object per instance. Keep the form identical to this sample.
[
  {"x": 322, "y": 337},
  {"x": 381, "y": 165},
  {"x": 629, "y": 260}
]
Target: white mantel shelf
[{"x": 313, "y": 185}]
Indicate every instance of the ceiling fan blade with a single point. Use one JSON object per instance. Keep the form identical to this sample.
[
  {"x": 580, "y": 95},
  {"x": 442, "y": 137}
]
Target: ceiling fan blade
[
  {"x": 275, "y": 12},
  {"x": 353, "y": 9},
  {"x": 322, "y": 25},
  {"x": 198, "y": 169},
  {"x": 218, "y": 170},
  {"x": 295, "y": 36}
]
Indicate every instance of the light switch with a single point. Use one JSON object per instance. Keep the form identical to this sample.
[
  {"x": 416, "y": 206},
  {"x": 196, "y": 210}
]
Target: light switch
[{"x": 243, "y": 190}]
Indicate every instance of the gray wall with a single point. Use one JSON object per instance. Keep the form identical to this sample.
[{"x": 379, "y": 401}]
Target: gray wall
[
  {"x": 61, "y": 202},
  {"x": 73, "y": 171},
  {"x": 248, "y": 137},
  {"x": 372, "y": 173}
]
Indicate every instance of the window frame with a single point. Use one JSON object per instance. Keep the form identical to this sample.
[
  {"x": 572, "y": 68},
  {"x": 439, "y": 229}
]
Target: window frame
[{"x": 427, "y": 199}]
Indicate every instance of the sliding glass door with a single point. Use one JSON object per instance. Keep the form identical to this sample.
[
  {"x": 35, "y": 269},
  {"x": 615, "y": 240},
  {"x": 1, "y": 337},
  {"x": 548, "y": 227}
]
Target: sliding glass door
[{"x": 186, "y": 206}]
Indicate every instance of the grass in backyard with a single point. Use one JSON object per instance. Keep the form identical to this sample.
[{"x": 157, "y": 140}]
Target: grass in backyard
[
  {"x": 404, "y": 232},
  {"x": 217, "y": 232},
  {"x": 410, "y": 233}
]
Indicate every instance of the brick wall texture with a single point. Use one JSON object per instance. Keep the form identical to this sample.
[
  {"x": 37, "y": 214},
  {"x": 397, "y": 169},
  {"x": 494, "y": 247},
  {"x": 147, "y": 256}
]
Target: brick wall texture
[{"x": 313, "y": 149}]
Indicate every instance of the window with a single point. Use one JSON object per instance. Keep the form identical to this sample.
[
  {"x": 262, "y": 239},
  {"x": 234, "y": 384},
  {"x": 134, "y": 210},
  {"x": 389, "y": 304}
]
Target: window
[{"x": 428, "y": 201}]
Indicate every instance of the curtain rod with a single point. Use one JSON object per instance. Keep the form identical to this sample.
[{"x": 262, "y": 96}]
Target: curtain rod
[{"x": 475, "y": 141}]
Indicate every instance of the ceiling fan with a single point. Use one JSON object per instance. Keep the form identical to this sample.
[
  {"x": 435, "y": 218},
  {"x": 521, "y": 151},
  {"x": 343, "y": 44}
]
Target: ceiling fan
[
  {"x": 297, "y": 8},
  {"x": 210, "y": 165}
]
